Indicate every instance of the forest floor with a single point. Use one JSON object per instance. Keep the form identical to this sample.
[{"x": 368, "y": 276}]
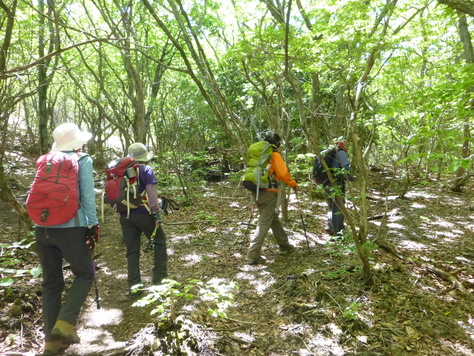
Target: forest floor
[{"x": 311, "y": 302}]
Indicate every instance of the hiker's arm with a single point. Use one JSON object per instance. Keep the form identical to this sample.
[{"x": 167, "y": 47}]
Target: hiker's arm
[
  {"x": 152, "y": 192},
  {"x": 345, "y": 164},
  {"x": 86, "y": 183},
  {"x": 155, "y": 204},
  {"x": 149, "y": 181},
  {"x": 281, "y": 172}
]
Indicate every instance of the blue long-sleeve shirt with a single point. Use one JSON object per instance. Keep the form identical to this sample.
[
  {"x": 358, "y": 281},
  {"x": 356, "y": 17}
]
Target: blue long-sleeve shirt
[{"x": 341, "y": 161}]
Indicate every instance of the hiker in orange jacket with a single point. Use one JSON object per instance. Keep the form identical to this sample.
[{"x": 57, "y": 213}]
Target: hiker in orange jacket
[{"x": 267, "y": 204}]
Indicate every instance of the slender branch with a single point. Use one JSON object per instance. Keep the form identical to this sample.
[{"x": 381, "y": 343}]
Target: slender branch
[{"x": 11, "y": 72}]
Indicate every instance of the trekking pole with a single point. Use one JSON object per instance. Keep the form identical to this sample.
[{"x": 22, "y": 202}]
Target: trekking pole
[
  {"x": 151, "y": 239},
  {"x": 301, "y": 215},
  {"x": 248, "y": 228},
  {"x": 97, "y": 298}
]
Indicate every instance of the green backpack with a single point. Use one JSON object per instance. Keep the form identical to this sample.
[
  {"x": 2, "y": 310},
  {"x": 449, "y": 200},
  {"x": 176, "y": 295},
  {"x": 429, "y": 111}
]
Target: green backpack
[{"x": 256, "y": 176}]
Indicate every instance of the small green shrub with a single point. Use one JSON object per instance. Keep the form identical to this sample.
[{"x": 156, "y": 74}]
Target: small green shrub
[{"x": 215, "y": 293}]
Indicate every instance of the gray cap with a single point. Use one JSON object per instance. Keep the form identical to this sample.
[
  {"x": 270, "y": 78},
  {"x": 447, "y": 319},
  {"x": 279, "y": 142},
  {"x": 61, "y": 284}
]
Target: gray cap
[{"x": 139, "y": 152}]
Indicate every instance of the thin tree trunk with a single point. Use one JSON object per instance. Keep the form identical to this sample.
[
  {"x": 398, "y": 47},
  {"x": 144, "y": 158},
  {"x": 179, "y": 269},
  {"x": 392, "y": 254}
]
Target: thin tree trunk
[
  {"x": 7, "y": 102},
  {"x": 204, "y": 78},
  {"x": 43, "y": 118},
  {"x": 468, "y": 53}
]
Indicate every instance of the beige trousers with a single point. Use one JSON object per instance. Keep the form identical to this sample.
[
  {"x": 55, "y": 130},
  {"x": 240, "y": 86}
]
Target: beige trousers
[{"x": 267, "y": 220}]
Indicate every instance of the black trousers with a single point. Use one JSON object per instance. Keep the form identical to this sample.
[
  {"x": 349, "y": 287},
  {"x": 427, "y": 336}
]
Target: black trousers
[
  {"x": 54, "y": 245},
  {"x": 132, "y": 229},
  {"x": 335, "y": 219}
]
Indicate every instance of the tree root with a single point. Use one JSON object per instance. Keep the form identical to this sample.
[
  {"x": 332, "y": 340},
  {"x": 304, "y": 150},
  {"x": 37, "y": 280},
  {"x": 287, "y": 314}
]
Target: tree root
[
  {"x": 437, "y": 271},
  {"x": 446, "y": 276}
]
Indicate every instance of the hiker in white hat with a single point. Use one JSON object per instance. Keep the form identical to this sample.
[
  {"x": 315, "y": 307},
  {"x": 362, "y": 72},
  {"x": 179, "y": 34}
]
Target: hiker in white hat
[
  {"x": 60, "y": 237},
  {"x": 68, "y": 137}
]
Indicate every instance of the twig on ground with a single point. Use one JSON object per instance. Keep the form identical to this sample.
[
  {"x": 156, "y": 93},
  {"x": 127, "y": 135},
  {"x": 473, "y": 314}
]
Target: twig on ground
[
  {"x": 200, "y": 222},
  {"x": 437, "y": 271},
  {"x": 446, "y": 276}
]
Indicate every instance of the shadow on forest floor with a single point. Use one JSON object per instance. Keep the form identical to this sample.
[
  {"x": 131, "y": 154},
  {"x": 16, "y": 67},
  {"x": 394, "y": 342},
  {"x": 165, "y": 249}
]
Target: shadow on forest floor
[{"x": 311, "y": 302}]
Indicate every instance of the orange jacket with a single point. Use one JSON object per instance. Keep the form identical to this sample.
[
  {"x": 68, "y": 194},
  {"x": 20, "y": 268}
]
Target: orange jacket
[{"x": 280, "y": 172}]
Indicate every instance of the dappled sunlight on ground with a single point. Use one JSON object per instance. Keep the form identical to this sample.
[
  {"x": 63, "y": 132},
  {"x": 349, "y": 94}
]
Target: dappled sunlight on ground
[
  {"x": 104, "y": 316},
  {"x": 310, "y": 302},
  {"x": 300, "y": 296},
  {"x": 396, "y": 226},
  {"x": 234, "y": 204},
  {"x": 439, "y": 221},
  {"x": 302, "y": 240},
  {"x": 325, "y": 344},
  {"x": 244, "y": 336},
  {"x": 468, "y": 326},
  {"x": 246, "y": 276},
  {"x": 258, "y": 277},
  {"x": 421, "y": 194},
  {"x": 92, "y": 329},
  {"x": 191, "y": 259},
  {"x": 183, "y": 238}
]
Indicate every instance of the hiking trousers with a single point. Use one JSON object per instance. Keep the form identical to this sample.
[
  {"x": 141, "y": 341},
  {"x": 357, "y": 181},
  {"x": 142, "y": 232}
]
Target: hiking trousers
[
  {"x": 268, "y": 219},
  {"x": 132, "y": 229},
  {"x": 54, "y": 244},
  {"x": 335, "y": 218}
]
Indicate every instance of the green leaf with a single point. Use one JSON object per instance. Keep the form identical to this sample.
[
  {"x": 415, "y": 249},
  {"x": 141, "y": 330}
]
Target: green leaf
[
  {"x": 36, "y": 272},
  {"x": 6, "y": 282}
]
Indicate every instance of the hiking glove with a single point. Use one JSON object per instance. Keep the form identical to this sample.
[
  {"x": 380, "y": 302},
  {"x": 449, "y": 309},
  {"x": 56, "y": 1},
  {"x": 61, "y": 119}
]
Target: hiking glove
[
  {"x": 92, "y": 236},
  {"x": 158, "y": 216}
]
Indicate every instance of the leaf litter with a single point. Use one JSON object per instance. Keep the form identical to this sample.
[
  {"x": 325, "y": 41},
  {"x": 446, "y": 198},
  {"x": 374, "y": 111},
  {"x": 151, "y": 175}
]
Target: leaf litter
[{"x": 311, "y": 302}]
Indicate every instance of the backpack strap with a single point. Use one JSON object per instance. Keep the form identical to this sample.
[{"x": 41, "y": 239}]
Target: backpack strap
[
  {"x": 145, "y": 199},
  {"x": 78, "y": 156},
  {"x": 134, "y": 187},
  {"x": 259, "y": 170}
]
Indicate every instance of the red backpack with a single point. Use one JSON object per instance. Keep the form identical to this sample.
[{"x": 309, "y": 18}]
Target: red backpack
[
  {"x": 54, "y": 194},
  {"x": 121, "y": 189}
]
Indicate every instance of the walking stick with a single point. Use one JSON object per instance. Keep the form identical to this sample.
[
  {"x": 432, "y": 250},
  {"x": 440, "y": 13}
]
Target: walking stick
[
  {"x": 97, "y": 298},
  {"x": 247, "y": 231},
  {"x": 302, "y": 220},
  {"x": 151, "y": 240}
]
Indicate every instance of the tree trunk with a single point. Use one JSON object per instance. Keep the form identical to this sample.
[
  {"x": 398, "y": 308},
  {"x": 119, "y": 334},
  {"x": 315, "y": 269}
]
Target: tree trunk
[
  {"x": 468, "y": 54},
  {"x": 42, "y": 84},
  {"x": 7, "y": 103},
  {"x": 6, "y": 194},
  {"x": 204, "y": 76},
  {"x": 465, "y": 6}
]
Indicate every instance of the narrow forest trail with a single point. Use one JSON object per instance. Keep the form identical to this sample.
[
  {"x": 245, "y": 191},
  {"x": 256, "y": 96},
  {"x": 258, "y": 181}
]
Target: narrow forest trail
[{"x": 311, "y": 302}]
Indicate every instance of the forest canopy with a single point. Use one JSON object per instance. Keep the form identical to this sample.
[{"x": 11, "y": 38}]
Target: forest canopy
[
  {"x": 393, "y": 78},
  {"x": 198, "y": 81}
]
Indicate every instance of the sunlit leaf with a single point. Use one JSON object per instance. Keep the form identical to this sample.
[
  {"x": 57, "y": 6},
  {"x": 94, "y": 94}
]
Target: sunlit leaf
[
  {"x": 36, "y": 272},
  {"x": 6, "y": 282}
]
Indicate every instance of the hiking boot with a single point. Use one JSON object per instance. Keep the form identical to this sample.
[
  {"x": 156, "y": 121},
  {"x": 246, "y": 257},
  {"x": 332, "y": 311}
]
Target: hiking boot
[
  {"x": 256, "y": 261},
  {"x": 52, "y": 348},
  {"x": 287, "y": 250},
  {"x": 136, "y": 294},
  {"x": 66, "y": 331},
  {"x": 329, "y": 230}
]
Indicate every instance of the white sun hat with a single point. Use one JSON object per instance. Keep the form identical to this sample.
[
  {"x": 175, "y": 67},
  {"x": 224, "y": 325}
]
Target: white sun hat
[
  {"x": 68, "y": 137},
  {"x": 139, "y": 152}
]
